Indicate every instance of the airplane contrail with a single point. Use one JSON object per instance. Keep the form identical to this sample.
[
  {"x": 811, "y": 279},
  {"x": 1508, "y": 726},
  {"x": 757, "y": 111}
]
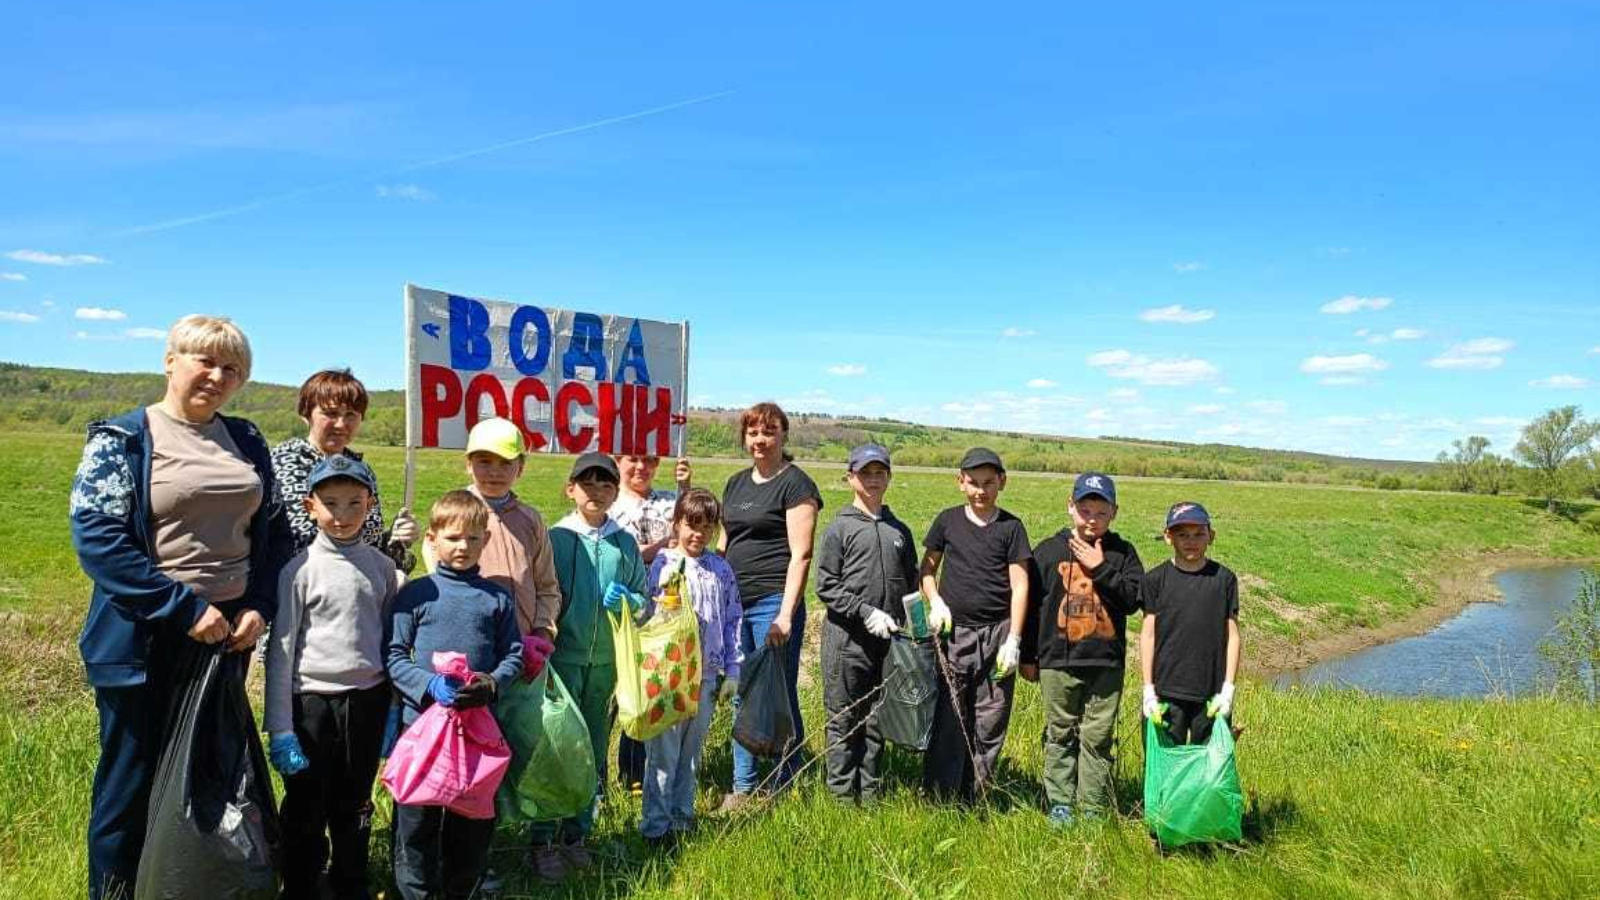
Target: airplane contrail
[{"x": 412, "y": 167}]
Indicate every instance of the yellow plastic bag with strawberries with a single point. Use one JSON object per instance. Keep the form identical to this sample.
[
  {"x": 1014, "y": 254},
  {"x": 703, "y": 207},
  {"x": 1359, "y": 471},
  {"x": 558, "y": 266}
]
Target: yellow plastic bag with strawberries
[{"x": 658, "y": 671}]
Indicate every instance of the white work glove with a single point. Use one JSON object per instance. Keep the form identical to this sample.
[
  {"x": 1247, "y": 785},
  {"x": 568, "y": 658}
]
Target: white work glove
[
  {"x": 938, "y": 616},
  {"x": 1005, "y": 662},
  {"x": 404, "y": 529},
  {"x": 880, "y": 623},
  {"x": 1221, "y": 705},
  {"x": 1151, "y": 705}
]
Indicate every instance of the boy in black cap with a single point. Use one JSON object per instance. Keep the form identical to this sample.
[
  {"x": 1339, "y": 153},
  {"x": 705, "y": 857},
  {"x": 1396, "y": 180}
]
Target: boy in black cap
[
  {"x": 598, "y": 565},
  {"x": 974, "y": 574},
  {"x": 1189, "y": 649},
  {"x": 1084, "y": 584},
  {"x": 867, "y": 565},
  {"x": 327, "y": 691}
]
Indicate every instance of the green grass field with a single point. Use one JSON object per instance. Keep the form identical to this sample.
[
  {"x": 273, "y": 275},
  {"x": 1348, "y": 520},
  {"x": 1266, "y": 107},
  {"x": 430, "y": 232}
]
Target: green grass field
[{"x": 1350, "y": 796}]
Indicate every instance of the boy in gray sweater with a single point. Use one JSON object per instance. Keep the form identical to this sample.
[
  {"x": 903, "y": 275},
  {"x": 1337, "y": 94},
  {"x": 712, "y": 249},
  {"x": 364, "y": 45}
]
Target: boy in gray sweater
[
  {"x": 327, "y": 693},
  {"x": 438, "y": 853},
  {"x": 867, "y": 565}
]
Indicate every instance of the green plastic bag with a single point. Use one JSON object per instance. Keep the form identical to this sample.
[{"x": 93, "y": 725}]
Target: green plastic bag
[
  {"x": 1191, "y": 792},
  {"x": 552, "y": 772}
]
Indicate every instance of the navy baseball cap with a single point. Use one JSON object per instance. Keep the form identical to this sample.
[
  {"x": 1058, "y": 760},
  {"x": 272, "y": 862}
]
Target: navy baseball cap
[
  {"x": 1095, "y": 484},
  {"x": 595, "y": 460},
  {"x": 868, "y": 453},
  {"x": 340, "y": 466},
  {"x": 1186, "y": 513},
  {"x": 978, "y": 457}
]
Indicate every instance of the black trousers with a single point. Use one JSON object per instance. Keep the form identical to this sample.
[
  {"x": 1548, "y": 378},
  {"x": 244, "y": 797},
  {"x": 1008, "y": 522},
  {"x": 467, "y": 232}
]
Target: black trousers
[
  {"x": 978, "y": 710},
  {"x": 331, "y": 801},
  {"x": 1187, "y": 722},
  {"x": 852, "y": 668},
  {"x": 438, "y": 853}
]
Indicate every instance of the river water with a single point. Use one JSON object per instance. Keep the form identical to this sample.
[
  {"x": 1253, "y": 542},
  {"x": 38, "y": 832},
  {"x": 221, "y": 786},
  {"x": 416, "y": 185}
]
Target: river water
[{"x": 1490, "y": 649}]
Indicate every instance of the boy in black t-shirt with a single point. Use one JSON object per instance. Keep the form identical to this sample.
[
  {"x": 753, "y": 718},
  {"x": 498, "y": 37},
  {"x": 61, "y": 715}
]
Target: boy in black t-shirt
[
  {"x": 1189, "y": 648},
  {"x": 975, "y": 578},
  {"x": 1085, "y": 584}
]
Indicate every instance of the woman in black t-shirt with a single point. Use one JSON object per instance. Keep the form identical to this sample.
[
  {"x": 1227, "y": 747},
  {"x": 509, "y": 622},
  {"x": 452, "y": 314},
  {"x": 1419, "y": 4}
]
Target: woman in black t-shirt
[{"x": 769, "y": 519}]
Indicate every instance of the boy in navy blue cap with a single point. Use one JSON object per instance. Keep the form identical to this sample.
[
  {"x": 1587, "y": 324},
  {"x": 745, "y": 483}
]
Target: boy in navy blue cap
[
  {"x": 327, "y": 691},
  {"x": 1084, "y": 583},
  {"x": 867, "y": 565},
  {"x": 975, "y": 576},
  {"x": 1189, "y": 648}
]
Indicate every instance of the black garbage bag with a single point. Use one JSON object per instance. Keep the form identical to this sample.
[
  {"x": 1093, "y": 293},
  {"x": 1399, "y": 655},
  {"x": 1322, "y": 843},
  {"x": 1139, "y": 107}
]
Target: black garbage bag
[
  {"x": 213, "y": 829},
  {"x": 910, "y": 691},
  {"x": 764, "y": 724}
]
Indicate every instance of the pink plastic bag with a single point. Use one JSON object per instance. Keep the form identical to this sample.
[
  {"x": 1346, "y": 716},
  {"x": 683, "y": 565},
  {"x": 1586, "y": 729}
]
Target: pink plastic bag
[{"x": 453, "y": 758}]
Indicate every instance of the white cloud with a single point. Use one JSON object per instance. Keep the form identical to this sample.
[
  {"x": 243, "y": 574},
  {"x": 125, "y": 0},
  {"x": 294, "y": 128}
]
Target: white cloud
[
  {"x": 406, "y": 192},
  {"x": 146, "y": 334},
  {"x": 1407, "y": 334},
  {"x": 1344, "y": 421},
  {"x": 1351, "y": 304},
  {"x": 55, "y": 259},
  {"x": 1560, "y": 382},
  {"x": 1176, "y": 313},
  {"x": 1185, "y": 268},
  {"x": 99, "y": 314},
  {"x": 1342, "y": 380},
  {"x": 127, "y": 334},
  {"x": 1226, "y": 429},
  {"x": 1143, "y": 369},
  {"x": 977, "y": 407},
  {"x": 1099, "y": 414},
  {"x": 13, "y": 276},
  {"x": 1479, "y": 355},
  {"x": 1015, "y": 332},
  {"x": 1123, "y": 394},
  {"x": 1224, "y": 390},
  {"x": 7, "y": 315},
  {"x": 847, "y": 370},
  {"x": 1335, "y": 252},
  {"x": 1342, "y": 365},
  {"x": 1041, "y": 383},
  {"x": 1206, "y": 409},
  {"x": 1501, "y": 421},
  {"x": 1269, "y": 407},
  {"x": 1595, "y": 350}
]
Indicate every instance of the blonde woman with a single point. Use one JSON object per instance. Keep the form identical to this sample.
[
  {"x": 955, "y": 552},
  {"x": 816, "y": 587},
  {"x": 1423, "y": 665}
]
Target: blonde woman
[{"x": 174, "y": 523}]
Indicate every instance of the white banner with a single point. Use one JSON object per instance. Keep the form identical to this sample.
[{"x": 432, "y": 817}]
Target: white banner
[{"x": 574, "y": 381}]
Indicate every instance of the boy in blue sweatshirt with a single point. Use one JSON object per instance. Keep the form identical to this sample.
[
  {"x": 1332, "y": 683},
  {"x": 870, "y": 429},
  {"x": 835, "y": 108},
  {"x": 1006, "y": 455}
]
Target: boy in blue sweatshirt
[
  {"x": 599, "y": 568},
  {"x": 437, "y": 852}
]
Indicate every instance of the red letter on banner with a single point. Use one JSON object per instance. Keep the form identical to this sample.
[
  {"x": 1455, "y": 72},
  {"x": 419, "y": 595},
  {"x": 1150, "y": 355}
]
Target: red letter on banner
[
  {"x": 485, "y": 384},
  {"x": 657, "y": 422},
  {"x": 519, "y": 409},
  {"x": 441, "y": 399},
  {"x": 572, "y": 442},
  {"x": 616, "y": 411}
]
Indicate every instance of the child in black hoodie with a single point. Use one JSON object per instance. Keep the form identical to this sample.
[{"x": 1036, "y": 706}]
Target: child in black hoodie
[
  {"x": 1084, "y": 585},
  {"x": 867, "y": 565}
]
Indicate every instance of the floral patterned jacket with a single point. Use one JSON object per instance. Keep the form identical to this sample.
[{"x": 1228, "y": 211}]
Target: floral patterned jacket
[{"x": 133, "y": 601}]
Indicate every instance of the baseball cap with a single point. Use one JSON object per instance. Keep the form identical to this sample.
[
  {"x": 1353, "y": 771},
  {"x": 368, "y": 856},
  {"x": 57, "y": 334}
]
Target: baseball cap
[
  {"x": 594, "y": 460},
  {"x": 340, "y": 466},
  {"x": 868, "y": 453},
  {"x": 978, "y": 457},
  {"x": 1186, "y": 513},
  {"x": 1095, "y": 484},
  {"x": 501, "y": 437}
]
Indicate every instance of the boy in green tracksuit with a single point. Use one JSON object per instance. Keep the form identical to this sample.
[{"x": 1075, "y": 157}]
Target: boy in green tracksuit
[{"x": 599, "y": 568}]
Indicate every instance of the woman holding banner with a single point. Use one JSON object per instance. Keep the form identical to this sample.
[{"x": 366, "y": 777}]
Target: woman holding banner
[
  {"x": 333, "y": 404},
  {"x": 769, "y": 518},
  {"x": 173, "y": 519}
]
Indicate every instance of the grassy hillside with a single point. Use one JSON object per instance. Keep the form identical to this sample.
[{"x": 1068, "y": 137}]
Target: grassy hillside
[
  {"x": 41, "y": 399},
  {"x": 1349, "y": 796}
]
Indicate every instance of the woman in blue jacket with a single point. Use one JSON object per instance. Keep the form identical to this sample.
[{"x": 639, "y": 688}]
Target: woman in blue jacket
[{"x": 174, "y": 523}]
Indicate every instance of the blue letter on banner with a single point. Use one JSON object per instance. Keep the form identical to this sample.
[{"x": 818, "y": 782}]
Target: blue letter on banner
[
  {"x": 520, "y": 320},
  {"x": 633, "y": 358},
  {"x": 588, "y": 347},
  {"x": 469, "y": 334}
]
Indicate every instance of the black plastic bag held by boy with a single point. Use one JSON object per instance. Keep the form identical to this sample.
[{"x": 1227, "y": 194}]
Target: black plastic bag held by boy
[
  {"x": 213, "y": 828},
  {"x": 909, "y": 692},
  {"x": 764, "y": 725}
]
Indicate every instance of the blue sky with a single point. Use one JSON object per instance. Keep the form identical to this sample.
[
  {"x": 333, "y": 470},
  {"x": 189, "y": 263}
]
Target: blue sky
[{"x": 1363, "y": 228}]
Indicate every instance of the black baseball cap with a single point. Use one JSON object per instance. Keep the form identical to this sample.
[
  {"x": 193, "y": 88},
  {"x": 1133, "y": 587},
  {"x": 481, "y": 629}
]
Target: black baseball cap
[
  {"x": 861, "y": 456},
  {"x": 1095, "y": 484},
  {"x": 978, "y": 457},
  {"x": 595, "y": 460},
  {"x": 1187, "y": 513}
]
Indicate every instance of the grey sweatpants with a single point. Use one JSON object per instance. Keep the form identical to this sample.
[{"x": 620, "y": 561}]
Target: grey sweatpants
[
  {"x": 969, "y": 724},
  {"x": 852, "y": 668}
]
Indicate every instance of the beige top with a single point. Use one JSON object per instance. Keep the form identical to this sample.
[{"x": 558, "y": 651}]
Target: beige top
[{"x": 203, "y": 493}]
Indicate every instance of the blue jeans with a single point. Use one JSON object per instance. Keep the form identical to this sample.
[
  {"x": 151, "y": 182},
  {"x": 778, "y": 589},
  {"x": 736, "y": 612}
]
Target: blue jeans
[
  {"x": 672, "y": 768},
  {"x": 758, "y": 618}
]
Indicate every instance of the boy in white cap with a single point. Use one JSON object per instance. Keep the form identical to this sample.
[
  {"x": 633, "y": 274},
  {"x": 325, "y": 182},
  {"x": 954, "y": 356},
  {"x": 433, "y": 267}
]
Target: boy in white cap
[{"x": 1189, "y": 649}]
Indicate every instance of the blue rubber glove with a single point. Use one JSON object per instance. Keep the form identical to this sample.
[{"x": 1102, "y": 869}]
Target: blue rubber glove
[
  {"x": 442, "y": 688},
  {"x": 285, "y": 754},
  {"x": 616, "y": 597}
]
